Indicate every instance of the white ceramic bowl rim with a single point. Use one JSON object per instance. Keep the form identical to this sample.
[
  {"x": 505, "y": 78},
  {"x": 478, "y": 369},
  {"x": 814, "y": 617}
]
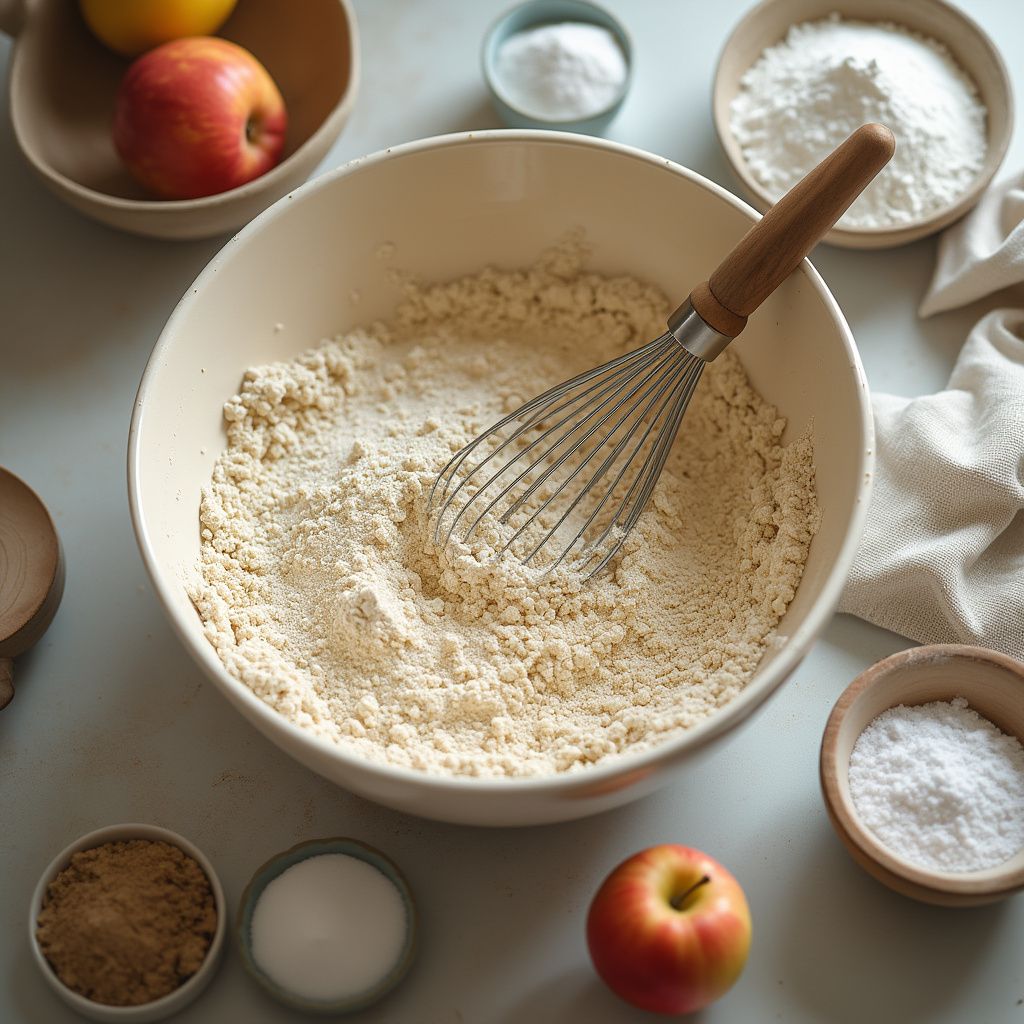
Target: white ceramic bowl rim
[
  {"x": 339, "y": 111},
  {"x": 494, "y": 79},
  {"x": 796, "y": 646},
  {"x": 183, "y": 993}
]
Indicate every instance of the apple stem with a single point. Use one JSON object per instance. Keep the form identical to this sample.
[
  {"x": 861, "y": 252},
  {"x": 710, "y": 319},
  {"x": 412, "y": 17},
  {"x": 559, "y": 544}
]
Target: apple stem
[
  {"x": 678, "y": 902},
  {"x": 252, "y": 130}
]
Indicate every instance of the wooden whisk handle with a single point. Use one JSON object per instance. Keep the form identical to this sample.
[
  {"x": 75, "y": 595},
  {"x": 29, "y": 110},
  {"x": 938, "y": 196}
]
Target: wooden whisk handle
[{"x": 773, "y": 248}]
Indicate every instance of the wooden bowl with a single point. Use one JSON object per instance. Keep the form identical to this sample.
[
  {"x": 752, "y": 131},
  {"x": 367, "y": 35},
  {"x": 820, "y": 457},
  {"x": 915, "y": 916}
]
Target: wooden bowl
[
  {"x": 993, "y": 685},
  {"x": 768, "y": 22},
  {"x": 62, "y": 86},
  {"x": 31, "y": 574}
]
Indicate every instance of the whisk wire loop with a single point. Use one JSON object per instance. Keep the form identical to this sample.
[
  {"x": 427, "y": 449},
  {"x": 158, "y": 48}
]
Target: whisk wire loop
[
  {"x": 659, "y": 382},
  {"x": 591, "y": 429},
  {"x": 615, "y": 422},
  {"x": 614, "y": 395},
  {"x": 676, "y": 402},
  {"x": 534, "y": 411},
  {"x": 649, "y": 474}
]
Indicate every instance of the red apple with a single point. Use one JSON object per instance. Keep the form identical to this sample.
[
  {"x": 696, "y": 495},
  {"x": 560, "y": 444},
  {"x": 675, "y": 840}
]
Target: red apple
[
  {"x": 198, "y": 116},
  {"x": 669, "y": 930}
]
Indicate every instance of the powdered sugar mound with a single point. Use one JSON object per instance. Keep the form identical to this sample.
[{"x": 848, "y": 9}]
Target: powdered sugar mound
[
  {"x": 322, "y": 590},
  {"x": 940, "y": 786},
  {"x": 807, "y": 93}
]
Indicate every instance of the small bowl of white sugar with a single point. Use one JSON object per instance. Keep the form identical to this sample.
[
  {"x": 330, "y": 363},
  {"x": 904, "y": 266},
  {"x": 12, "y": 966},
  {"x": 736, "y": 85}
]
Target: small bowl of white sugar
[
  {"x": 796, "y": 77},
  {"x": 557, "y": 64},
  {"x": 922, "y": 772},
  {"x": 328, "y": 926}
]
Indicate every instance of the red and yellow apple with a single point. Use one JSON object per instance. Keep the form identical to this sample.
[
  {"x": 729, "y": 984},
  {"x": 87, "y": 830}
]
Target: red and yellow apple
[
  {"x": 131, "y": 27},
  {"x": 669, "y": 930},
  {"x": 198, "y": 116}
]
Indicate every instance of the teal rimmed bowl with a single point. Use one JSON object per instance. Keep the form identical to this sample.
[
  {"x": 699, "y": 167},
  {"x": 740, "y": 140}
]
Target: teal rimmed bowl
[
  {"x": 534, "y": 14},
  {"x": 280, "y": 863}
]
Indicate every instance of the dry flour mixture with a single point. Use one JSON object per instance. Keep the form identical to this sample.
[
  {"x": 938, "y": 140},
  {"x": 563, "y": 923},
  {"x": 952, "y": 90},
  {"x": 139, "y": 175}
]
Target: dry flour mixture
[{"x": 321, "y": 590}]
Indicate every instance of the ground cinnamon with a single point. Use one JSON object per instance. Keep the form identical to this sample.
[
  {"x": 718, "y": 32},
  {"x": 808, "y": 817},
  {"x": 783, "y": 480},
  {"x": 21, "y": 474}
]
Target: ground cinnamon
[{"x": 127, "y": 922}]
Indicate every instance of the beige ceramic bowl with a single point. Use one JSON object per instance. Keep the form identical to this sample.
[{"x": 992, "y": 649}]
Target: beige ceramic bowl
[
  {"x": 62, "y": 84},
  {"x": 769, "y": 21},
  {"x": 993, "y": 685},
  {"x": 174, "y": 1001},
  {"x": 447, "y": 206}
]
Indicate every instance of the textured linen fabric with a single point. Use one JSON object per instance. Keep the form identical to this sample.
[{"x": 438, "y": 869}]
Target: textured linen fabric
[
  {"x": 942, "y": 556},
  {"x": 982, "y": 254}
]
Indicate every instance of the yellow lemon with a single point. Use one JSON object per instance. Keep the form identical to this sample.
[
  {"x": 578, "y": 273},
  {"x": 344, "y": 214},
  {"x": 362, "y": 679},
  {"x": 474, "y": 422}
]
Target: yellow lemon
[{"x": 132, "y": 26}]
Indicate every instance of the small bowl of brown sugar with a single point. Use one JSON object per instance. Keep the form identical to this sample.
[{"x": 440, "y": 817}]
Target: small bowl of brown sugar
[{"x": 127, "y": 923}]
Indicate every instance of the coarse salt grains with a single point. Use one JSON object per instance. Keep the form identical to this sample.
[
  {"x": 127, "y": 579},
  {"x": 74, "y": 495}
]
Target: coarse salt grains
[
  {"x": 329, "y": 929},
  {"x": 940, "y": 786}
]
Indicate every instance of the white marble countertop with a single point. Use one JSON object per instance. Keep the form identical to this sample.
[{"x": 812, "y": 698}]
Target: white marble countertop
[{"x": 113, "y": 722}]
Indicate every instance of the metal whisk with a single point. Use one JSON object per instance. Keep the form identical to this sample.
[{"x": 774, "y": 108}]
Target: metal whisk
[{"x": 565, "y": 477}]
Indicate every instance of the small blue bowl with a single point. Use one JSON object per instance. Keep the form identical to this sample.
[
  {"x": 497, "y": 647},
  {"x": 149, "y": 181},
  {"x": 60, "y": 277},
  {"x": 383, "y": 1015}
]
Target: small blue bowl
[
  {"x": 289, "y": 858},
  {"x": 547, "y": 12}
]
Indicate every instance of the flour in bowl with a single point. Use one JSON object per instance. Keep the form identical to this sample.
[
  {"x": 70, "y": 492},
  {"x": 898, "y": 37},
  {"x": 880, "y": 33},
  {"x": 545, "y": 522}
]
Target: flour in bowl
[{"x": 322, "y": 591}]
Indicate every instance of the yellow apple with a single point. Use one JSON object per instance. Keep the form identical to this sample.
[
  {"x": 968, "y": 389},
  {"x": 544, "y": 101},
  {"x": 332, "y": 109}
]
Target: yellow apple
[{"x": 133, "y": 26}]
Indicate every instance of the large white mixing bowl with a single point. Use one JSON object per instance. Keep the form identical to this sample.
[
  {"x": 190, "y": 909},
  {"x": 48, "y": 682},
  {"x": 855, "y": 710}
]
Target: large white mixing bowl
[{"x": 313, "y": 265}]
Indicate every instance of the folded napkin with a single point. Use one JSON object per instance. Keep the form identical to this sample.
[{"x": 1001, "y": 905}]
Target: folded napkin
[{"x": 942, "y": 557}]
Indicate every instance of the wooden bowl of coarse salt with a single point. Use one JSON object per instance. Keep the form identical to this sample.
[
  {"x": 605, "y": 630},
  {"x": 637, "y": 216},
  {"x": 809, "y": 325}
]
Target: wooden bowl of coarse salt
[
  {"x": 804, "y": 92},
  {"x": 922, "y": 772}
]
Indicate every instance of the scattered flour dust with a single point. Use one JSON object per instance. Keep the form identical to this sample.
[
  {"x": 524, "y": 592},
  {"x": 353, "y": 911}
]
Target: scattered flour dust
[{"x": 321, "y": 590}]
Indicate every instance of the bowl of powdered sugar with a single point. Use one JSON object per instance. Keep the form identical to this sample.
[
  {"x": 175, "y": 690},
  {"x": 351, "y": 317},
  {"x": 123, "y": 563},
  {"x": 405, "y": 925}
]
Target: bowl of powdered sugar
[
  {"x": 295, "y": 413},
  {"x": 922, "y": 771},
  {"x": 797, "y": 76}
]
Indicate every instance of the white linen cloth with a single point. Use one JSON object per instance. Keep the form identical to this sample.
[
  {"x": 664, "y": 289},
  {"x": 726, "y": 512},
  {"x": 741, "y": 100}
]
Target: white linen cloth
[{"x": 942, "y": 556}]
